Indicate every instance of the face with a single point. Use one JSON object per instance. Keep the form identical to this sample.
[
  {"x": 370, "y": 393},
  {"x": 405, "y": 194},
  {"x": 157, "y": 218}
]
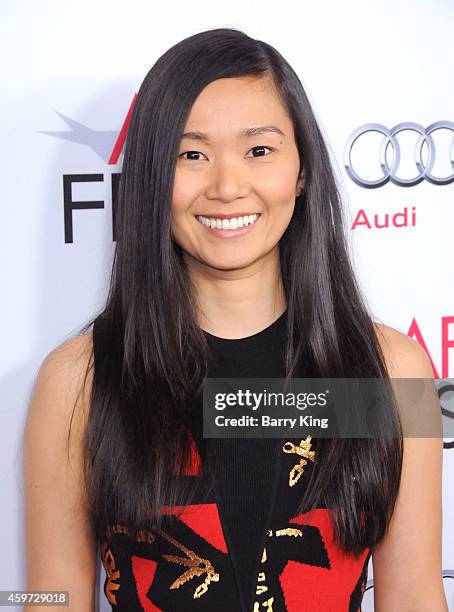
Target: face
[{"x": 237, "y": 158}]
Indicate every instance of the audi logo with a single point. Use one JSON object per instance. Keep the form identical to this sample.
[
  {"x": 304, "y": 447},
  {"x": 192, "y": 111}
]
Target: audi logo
[{"x": 424, "y": 169}]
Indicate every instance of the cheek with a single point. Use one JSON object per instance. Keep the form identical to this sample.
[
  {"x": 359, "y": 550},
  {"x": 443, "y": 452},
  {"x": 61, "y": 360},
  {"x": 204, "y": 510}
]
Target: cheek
[
  {"x": 181, "y": 197},
  {"x": 181, "y": 216},
  {"x": 180, "y": 224},
  {"x": 279, "y": 200},
  {"x": 280, "y": 197},
  {"x": 280, "y": 185}
]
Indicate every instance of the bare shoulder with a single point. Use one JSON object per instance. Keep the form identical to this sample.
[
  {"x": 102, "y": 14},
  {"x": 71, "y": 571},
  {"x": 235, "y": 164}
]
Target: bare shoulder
[
  {"x": 60, "y": 397},
  {"x": 404, "y": 356},
  {"x": 69, "y": 358},
  {"x": 65, "y": 378}
]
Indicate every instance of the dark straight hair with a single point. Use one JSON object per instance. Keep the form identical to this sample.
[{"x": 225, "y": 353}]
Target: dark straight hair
[{"x": 153, "y": 355}]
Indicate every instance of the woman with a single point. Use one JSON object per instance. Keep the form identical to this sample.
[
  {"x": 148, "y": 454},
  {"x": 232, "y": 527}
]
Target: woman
[{"x": 230, "y": 262}]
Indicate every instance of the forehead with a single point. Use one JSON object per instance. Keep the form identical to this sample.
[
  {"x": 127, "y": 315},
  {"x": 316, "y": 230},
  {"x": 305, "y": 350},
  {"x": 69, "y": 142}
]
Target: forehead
[{"x": 229, "y": 105}]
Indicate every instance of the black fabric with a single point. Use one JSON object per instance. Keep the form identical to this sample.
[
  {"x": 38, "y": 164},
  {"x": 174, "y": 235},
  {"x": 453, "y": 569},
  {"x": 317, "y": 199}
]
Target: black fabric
[
  {"x": 245, "y": 487},
  {"x": 251, "y": 503}
]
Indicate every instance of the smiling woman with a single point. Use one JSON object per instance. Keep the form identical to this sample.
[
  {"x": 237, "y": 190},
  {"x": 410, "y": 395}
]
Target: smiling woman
[
  {"x": 231, "y": 262},
  {"x": 241, "y": 178}
]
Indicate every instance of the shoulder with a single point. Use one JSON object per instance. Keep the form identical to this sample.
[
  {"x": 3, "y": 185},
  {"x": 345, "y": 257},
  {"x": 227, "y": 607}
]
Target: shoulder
[
  {"x": 68, "y": 361},
  {"x": 404, "y": 356},
  {"x": 418, "y": 399},
  {"x": 69, "y": 353},
  {"x": 62, "y": 386},
  {"x": 401, "y": 574}
]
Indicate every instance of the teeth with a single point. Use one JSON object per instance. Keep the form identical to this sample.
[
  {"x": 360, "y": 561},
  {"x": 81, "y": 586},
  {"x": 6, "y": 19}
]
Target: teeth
[{"x": 233, "y": 223}]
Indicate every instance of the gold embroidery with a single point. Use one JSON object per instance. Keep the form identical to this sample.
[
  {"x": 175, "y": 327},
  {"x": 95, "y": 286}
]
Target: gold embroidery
[
  {"x": 293, "y": 531},
  {"x": 108, "y": 560},
  {"x": 260, "y": 589},
  {"x": 141, "y": 536},
  {"x": 146, "y": 536},
  {"x": 196, "y": 567},
  {"x": 303, "y": 449},
  {"x": 268, "y": 603}
]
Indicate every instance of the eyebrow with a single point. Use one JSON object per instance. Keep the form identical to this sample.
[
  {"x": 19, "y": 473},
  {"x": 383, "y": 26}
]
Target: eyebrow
[{"x": 246, "y": 133}]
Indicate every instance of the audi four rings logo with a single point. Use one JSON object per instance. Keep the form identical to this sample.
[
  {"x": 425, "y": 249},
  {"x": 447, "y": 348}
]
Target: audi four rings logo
[{"x": 390, "y": 171}]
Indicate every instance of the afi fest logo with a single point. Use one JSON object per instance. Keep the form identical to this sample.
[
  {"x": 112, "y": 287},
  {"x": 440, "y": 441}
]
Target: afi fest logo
[
  {"x": 390, "y": 159},
  {"x": 107, "y": 145}
]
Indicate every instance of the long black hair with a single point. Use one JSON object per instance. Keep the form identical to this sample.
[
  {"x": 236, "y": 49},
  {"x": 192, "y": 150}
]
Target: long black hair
[{"x": 154, "y": 354}]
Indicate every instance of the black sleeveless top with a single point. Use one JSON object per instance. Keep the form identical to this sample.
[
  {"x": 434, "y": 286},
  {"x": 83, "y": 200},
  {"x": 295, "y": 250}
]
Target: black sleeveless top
[{"x": 240, "y": 546}]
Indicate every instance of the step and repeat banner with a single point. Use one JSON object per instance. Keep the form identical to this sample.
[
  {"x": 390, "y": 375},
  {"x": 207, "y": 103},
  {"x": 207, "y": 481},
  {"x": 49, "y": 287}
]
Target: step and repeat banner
[{"x": 379, "y": 76}]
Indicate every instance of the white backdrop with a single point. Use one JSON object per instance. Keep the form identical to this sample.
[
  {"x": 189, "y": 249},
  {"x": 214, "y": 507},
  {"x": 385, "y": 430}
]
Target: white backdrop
[{"x": 69, "y": 72}]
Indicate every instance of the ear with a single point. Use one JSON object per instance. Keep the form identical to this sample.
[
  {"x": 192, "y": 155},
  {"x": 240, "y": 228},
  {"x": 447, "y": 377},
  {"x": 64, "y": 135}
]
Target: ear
[{"x": 300, "y": 184}]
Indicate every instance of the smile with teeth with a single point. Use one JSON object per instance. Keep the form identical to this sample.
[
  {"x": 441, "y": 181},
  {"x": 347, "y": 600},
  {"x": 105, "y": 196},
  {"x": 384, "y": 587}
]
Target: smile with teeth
[{"x": 228, "y": 224}]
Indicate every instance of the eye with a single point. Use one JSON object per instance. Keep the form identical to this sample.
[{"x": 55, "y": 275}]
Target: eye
[
  {"x": 260, "y": 148},
  {"x": 191, "y": 153}
]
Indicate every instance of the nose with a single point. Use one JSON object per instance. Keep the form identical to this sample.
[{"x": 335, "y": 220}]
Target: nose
[{"x": 228, "y": 181}]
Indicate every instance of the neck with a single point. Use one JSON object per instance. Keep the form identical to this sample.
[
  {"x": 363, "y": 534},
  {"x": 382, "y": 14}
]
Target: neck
[{"x": 240, "y": 302}]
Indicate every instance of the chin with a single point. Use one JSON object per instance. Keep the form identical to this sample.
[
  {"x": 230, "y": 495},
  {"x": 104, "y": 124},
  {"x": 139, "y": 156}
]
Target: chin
[{"x": 232, "y": 264}]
